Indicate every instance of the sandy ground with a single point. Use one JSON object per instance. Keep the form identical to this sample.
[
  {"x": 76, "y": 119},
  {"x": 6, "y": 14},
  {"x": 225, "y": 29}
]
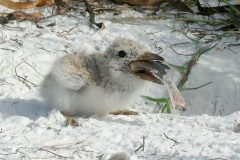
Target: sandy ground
[{"x": 29, "y": 130}]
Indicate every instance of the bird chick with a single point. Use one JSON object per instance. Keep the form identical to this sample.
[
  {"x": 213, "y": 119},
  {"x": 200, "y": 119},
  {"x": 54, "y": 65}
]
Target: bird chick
[{"x": 84, "y": 85}]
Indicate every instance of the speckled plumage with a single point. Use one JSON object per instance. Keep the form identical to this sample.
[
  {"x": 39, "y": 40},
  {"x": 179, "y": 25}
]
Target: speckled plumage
[{"x": 81, "y": 84}]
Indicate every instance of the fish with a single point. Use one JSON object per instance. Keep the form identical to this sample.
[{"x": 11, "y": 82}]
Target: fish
[{"x": 156, "y": 71}]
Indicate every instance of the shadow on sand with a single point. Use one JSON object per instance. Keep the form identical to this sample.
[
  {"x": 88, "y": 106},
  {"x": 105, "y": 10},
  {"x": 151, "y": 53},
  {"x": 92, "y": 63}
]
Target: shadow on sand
[{"x": 32, "y": 108}]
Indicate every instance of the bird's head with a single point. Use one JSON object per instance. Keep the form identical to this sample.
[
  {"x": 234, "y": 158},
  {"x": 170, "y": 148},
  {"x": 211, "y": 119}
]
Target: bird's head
[
  {"x": 132, "y": 60},
  {"x": 130, "y": 57}
]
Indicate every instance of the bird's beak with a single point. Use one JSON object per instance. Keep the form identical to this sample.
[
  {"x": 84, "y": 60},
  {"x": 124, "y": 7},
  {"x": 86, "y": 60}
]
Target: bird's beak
[
  {"x": 151, "y": 67},
  {"x": 142, "y": 66},
  {"x": 148, "y": 56}
]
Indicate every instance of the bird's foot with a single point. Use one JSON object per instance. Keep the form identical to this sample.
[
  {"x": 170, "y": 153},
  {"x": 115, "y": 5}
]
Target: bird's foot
[
  {"x": 70, "y": 121},
  {"x": 124, "y": 112}
]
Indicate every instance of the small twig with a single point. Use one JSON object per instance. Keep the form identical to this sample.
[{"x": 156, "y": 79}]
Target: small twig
[
  {"x": 3, "y": 81},
  {"x": 66, "y": 145},
  {"x": 153, "y": 32},
  {"x": 233, "y": 45},
  {"x": 176, "y": 142},
  {"x": 92, "y": 15},
  {"x": 65, "y": 32},
  {"x": 193, "y": 88},
  {"x": 24, "y": 79},
  {"x": 142, "y": 146},
  {"x": 58, "y": 155},
  {"x": 189, "y": 65},
  {"x": 6, "y": 49},
  {"x": 176, "y": 44}
]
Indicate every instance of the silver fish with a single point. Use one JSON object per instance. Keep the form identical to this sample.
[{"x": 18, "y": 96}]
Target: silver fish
[{"x": 156, "y": 71}]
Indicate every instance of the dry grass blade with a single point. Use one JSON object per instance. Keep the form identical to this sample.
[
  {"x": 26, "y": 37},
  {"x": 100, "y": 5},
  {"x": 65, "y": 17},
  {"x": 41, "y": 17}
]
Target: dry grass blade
[
  {"x": 23, "y": 79},
  {"x": 142, "y": 146},
  {"x": 92, "y": 15},
  {"x": 5, "y": 82},
  {"x": 192, "y": 62},
  {"x": 176, "y": 142}
]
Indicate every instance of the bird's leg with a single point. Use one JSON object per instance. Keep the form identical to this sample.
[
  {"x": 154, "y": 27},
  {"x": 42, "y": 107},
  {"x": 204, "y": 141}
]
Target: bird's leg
[
  {"x": 70, "y": 120},
  {"x": 124, "y": 112}
]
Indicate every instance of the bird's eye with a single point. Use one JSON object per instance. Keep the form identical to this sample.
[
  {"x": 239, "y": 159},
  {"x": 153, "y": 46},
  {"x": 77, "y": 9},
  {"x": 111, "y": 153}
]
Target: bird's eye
[{"x": 122, "y": 54}]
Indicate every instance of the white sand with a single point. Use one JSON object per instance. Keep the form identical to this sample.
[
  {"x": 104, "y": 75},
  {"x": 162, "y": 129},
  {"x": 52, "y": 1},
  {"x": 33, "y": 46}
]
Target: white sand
[{"x": 30, "y": 131}]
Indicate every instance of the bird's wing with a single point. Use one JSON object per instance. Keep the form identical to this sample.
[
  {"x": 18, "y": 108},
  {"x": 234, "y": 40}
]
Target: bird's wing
[{"x": 73, "y": 72}]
